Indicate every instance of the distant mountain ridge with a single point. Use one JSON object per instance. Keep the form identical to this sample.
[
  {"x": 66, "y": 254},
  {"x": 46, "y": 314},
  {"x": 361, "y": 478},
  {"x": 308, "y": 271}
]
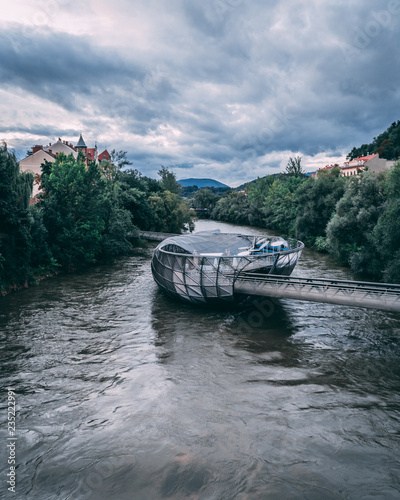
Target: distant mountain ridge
[{"x": 201, "y": 183}]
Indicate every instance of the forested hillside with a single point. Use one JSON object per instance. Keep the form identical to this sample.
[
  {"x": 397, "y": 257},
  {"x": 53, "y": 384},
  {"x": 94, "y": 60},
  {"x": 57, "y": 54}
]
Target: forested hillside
[{"x": 386, "y": 144}]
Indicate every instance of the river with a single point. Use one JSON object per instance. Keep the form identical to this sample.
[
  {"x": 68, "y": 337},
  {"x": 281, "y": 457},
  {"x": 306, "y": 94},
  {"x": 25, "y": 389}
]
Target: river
[{"x": 123, "y": 393}]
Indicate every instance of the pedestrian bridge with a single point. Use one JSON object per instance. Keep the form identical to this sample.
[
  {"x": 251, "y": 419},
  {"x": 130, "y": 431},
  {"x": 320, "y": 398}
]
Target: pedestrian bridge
[{"x": 348, "y": 293}]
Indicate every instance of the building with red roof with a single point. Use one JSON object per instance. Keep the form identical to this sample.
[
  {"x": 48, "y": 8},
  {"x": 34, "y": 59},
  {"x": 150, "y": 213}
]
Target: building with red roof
[
  {"x": 33, "y": 162},
  {"x": 104, "y": 156},
  {"x": 369, "y": 162}
]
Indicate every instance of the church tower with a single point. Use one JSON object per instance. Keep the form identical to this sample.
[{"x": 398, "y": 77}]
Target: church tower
[{"x": 81, "y": 146}]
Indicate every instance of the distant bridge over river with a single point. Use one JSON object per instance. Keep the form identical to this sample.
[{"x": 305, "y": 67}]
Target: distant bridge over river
[
  {"x": 349, "y": 293},
  {"x": 155, "y": 236}
]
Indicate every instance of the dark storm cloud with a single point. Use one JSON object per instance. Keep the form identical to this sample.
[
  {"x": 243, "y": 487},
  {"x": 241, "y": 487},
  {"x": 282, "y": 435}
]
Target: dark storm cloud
[
  {"x": 59, "y": 66},
  {"x": 223, "y": 82},
  {"x": 39, "y": 130},
  {"x": 183, "y": 165}
]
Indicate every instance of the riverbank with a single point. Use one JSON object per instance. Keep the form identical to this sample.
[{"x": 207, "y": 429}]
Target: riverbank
[
  {"x": 28, "y": 283},
  {"x": 37, "y": 277}
]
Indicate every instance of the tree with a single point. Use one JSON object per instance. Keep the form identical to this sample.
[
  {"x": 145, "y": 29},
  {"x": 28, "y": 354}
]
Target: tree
[
  {"x": 73, "y": 211},
  {"x": 316, "y": 200},
  {"x": 168, "y": 181},
  {"x": 15, "y": 222},
  {"x": 294, "y": 166},
  {"x": 118, "y": 232},
  {"x": 132, "y": 178},
  {"x": 363, "y": 150},
  {"x": 233, "y": 207},
  {"x": 41, "y": 259},
  {"x": 385, "y": 149},
  {"x": 386, "y": 234},
  {"x": 257, "y": 191},
  {"x": 170, "y": 213},
  {"x": 204, "y": 199},
  {"x": 280, "y": 208},
  {"x": 137, "y": 204},
  {"x": 119, "y": 159},
  {"x": 135, "y": 190},
  {"x": 350, "y": 232}
]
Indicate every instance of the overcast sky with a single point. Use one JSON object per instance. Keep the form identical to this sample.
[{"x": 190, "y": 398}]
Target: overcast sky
[{"x": 227, "y": 89}]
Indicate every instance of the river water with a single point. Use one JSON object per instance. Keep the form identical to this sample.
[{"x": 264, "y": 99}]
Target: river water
[{"x": 123, "y": 393}]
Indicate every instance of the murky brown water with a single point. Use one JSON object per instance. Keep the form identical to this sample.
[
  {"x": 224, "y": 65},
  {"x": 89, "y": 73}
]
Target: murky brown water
[{"x": 124, "y": 394}]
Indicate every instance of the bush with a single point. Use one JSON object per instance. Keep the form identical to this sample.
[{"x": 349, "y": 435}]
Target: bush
[{"x": 350, "y": 232}]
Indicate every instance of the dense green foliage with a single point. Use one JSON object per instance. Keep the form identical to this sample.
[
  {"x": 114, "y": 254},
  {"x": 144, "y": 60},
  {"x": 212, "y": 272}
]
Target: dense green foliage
[
  {"x": 204, "y": 199},
  {"x": 151, "y": 205},
  {"x": 386, "y": 144},
  {"x": 84, "y": 214},
  {"x": 317, "y": 201},
  {"x": 269, "y": 202},
  {"x": 365, "y": 231},
  {"x": 280, "y": 206},
  {"x": 350, "y": 232},
  {"x": 386, "y": 233},
  {"x": 354, "y": 219},
  {"x": 234, "y": 207},
  {"x": 74, "y": 211},
  {"x": 15, "y": 221},
  {"x": 170, "y": 213}
]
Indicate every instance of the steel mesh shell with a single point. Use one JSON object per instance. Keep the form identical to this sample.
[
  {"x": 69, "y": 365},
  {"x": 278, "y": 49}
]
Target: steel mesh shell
[{"x": 202, "y": 268}]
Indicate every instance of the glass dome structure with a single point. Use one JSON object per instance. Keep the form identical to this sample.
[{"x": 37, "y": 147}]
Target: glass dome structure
[{"x": 203, "y": 267}]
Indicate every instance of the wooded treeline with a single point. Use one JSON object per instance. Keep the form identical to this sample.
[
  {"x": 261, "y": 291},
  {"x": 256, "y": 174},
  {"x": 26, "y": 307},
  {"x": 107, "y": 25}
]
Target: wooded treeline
[
  {"x": 355, "y": 219},
  {"x": 386, "y": 144},
  {"x": 84, "y": 214}
]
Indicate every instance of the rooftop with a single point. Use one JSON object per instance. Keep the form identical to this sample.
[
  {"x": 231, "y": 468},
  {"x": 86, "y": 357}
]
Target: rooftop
[{"x": 81, "y": 143}]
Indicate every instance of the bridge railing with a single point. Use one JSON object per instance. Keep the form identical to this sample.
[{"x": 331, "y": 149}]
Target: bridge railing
[
  {"x": 322, "y": 282},
  {"x": 352, "y": 293}
]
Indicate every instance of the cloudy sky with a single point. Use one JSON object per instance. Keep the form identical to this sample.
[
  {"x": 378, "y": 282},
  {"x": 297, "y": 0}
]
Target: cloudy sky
[{"x": 227, "y": 89}]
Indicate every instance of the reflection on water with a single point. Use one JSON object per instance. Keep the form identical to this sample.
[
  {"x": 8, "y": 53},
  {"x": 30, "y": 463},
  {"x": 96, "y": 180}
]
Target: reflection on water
[{"x": 123, "y": 393}]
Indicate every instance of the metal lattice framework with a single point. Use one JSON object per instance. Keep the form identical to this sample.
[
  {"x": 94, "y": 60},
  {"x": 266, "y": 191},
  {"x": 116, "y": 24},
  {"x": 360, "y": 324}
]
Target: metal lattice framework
[{"x": 210, "y": 278}]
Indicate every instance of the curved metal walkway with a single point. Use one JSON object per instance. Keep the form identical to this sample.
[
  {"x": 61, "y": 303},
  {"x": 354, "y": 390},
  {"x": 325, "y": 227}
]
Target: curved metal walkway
[{"x": 350, "y": 293}]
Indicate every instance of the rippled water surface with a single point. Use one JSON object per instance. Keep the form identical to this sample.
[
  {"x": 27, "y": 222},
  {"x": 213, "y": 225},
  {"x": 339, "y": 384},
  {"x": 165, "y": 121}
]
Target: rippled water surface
[{"x": 123, "y": 393}]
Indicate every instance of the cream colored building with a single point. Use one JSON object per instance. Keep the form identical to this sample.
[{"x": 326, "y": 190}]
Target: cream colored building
[
  {"x": 61, "y": 147},
  {"x": 371, "y": 162},
  {"x": 33, "y": 164}
]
